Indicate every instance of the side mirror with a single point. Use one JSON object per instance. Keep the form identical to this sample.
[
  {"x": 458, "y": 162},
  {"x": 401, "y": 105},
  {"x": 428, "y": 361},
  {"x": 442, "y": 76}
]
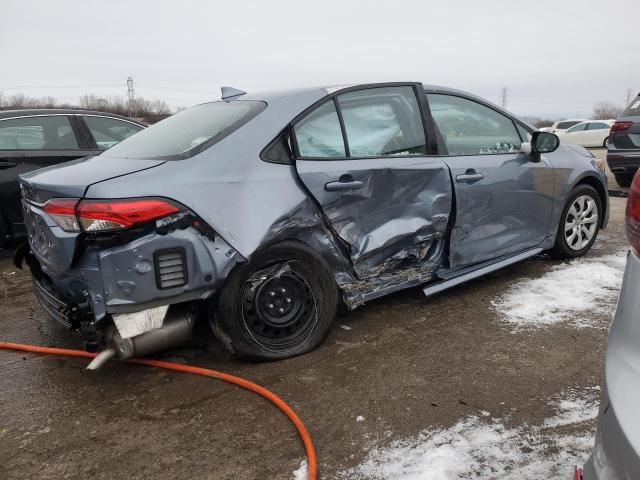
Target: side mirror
[{"x": 544, "y": 142}]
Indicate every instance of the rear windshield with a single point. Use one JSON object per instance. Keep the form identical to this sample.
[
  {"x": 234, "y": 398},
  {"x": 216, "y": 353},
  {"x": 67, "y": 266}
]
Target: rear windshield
[
  {"x": 633, "y": 108},
  {"x": 564, "y": 125},
  {"x": 188, "y": 132}
]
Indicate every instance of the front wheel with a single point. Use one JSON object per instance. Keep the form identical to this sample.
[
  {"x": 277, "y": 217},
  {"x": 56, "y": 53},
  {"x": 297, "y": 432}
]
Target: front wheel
[
  {"x": 579, "y": 223},
  {"x": 623, "y": 179},
  {"x": 278, "y": 305}
]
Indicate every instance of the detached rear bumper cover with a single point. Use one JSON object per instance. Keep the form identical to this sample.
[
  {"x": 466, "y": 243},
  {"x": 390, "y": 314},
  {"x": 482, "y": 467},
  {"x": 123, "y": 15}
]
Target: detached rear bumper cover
[
  {"x": 165, "y": 266},
  {"x": 616, "y": 454}
]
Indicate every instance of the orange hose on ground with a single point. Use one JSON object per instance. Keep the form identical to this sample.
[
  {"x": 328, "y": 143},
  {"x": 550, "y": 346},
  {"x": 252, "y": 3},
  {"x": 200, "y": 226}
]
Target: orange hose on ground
[{"x": 312, "y": 463}]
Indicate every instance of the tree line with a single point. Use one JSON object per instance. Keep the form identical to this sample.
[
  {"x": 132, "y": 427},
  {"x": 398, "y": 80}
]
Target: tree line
[{"x": 149, "y": 111}]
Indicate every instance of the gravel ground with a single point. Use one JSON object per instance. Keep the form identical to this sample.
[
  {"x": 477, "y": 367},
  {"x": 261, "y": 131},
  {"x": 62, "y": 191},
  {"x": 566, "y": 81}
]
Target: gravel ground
[{"x": 388, "y": 372}]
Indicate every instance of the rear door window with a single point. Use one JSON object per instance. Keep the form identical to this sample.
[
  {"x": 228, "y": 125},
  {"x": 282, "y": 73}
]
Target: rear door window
[
  {"x": 383, "y": 122},
  {"x": 318, "y": 135},
  {"x": 598, "y": 126},
  {"x": 565, "y": 125},
  {"x": 577, "y": 128},
  {"x": 108, "y": 132},
  {"x": 470, "y": 128},
  {"x": 37, "y": 133}
]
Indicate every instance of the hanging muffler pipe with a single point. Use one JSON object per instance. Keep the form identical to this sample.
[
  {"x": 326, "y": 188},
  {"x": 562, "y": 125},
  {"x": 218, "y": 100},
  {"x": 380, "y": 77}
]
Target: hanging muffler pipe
[{"x": 176, "y": 330}]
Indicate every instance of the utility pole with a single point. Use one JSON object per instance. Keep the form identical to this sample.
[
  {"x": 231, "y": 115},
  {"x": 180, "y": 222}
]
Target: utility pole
[
  {"x": 629, "y": 96},
  {"x": 504, "y": 96},
  {"x": 131, "y": 94}
]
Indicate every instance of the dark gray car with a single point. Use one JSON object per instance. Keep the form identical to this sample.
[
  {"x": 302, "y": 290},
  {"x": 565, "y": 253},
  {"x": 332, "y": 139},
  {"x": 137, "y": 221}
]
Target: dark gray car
[
  {"x": 262, "y": 212},
  {"x": 623, "y": 155}
]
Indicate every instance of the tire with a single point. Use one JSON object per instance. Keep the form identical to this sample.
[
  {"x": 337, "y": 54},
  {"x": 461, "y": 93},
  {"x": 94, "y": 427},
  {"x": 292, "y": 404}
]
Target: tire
[
  {"x": 604, "y": 143},
  {"x": 3, "y": 232},
  {"x": 623, "y": 179},
  {"x": 583, "y": 198},
  {"x": 278, "y": 305}
]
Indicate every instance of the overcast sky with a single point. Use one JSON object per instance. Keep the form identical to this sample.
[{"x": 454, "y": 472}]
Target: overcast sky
[{"x": 558, "y": 57}]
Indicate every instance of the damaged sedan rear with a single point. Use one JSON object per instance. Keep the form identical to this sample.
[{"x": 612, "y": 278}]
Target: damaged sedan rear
[{"x": 261, "y": 213}]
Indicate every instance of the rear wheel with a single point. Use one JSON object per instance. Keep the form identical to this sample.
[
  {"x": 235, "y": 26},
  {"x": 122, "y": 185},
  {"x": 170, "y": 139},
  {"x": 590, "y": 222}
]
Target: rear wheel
[
  {"x": 3, "y": 232},
  {"x": 604, "y": 143},
  {"x": 579, "y": 223},
  {"x": 278, "y": 305},
  {"x": 623, "y": 179}
]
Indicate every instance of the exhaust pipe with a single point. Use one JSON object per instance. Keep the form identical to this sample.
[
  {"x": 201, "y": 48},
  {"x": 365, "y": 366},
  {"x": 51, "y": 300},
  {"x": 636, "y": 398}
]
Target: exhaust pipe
[{"x": 177, "y": 329}]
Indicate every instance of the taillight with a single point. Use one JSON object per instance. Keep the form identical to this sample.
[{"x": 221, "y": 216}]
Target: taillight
[
  {"x": 620, "y": 126},
  {"x": 63, "y": 212},
  {"x": 102, "y": 215},
  {"x": 632, "y": 221},
  {"x": 105, "y": 215}
]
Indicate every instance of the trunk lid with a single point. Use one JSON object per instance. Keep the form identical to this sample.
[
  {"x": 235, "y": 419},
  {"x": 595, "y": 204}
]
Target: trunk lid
[
  {"x": 53, "y": 247},
  {"x": 72, "y": 179}
]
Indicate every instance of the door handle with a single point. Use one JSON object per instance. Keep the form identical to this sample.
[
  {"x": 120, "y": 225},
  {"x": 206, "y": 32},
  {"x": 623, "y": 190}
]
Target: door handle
[
  {"x": 469, "y": 177},
  {"x": 5, "y": 165},
  {"x": 345, "y": 182}
]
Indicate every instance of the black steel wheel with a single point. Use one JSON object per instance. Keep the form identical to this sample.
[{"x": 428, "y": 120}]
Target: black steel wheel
[
  {"x": 280, "y": 312},
  {"x": 278, "y": 305}
]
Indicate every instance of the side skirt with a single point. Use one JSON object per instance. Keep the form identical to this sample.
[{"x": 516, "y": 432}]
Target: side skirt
[{"x": 451, "y": 278}]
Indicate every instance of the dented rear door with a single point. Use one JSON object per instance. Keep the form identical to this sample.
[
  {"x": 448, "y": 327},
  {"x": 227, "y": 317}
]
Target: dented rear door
[{"x": 363, "y": 157}]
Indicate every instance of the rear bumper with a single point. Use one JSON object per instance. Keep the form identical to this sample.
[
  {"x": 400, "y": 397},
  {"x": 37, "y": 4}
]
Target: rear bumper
[
  {"x": 623, "y": 162},
  {"x": 84, "y": 284},
  {"x": 616, "y": 453}
]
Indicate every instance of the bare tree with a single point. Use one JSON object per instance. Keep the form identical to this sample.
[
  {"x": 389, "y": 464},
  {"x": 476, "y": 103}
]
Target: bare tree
[
  {"x": 18, "y": 100},
  {"x": 606, "y": 110}
]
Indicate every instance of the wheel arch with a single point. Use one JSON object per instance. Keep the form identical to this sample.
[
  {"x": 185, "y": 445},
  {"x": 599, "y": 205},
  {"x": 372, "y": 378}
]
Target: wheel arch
[{"x": 596, "y": 183}]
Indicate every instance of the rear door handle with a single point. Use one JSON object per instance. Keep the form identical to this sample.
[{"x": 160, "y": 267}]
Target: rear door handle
[
  {"x": 346, "y": 182},
  {"x": 5, "y": 165},
  {"x": 469, "y": 177}
]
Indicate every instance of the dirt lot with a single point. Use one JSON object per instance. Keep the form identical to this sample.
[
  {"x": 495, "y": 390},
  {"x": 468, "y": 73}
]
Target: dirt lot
[{"x": 388, "y": 371}]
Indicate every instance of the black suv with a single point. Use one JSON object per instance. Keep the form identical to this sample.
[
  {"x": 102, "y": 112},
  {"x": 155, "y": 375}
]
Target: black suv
[
  {"x": 32, "y": 139},
  {"x": 623, "y": 155}
]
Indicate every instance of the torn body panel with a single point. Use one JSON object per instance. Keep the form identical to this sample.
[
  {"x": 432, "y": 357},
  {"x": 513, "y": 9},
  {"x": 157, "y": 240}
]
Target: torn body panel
[
  {"x": 115, "y": 276},
  {"x": 392, "y": 219}
]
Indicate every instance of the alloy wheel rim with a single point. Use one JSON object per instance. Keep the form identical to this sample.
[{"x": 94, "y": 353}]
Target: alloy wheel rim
[{"x": 581, "y": 222}]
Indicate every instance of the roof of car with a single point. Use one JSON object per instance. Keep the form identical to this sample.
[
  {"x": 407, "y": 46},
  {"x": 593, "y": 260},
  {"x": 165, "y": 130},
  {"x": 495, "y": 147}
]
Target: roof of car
[
  {"x": 29, "y": 112},
  {"x": 310, "y": 95}
]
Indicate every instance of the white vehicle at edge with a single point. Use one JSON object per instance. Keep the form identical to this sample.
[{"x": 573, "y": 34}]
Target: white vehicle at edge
[
  {"x": 592, "y": 133},
  {"x": 563, "y": 125}
]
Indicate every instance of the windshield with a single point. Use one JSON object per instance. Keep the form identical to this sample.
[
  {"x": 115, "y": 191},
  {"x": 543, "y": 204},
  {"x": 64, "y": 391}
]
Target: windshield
[
  {"x": 633, "y": 108},
  {"x": 188, "y": 132}
]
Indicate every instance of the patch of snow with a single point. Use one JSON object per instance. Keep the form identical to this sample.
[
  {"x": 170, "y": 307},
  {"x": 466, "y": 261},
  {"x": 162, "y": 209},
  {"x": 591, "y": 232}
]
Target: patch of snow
[
  {"x": 359, "y": 418},
  {"x": 562, "y": 294},
  {"x": 486, "y": 450},
  {"x": 301, "y": 473}
]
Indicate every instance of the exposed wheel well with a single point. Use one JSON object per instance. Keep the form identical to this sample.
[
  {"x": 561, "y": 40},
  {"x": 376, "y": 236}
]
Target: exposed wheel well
[{"x": 597, "y": 185}]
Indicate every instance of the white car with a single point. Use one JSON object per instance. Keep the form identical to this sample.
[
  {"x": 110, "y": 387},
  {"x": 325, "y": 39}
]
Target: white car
[
  {"x": 563, "y": 125},
  {"x": 593, "y": 133}
]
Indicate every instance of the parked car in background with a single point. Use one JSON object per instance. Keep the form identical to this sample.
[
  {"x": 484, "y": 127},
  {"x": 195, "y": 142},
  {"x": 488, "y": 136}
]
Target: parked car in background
[
  {"x": 616, "y": 453},
  {"x": 33, "y": 139},
  {"x": 592, "y": 133},
  {"x": 623, "y": 156},
  {"x": 262, "y": 212},
  {"x": 562, "y": 125}
]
